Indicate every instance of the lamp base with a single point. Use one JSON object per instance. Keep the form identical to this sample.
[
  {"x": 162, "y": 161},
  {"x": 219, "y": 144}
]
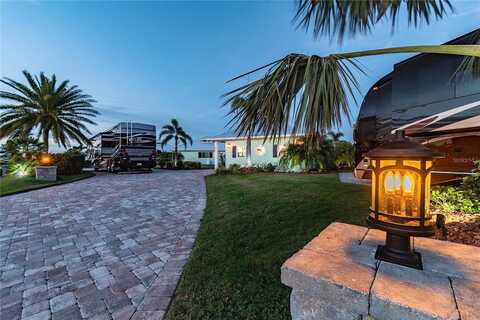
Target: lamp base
[{"x": 397, "y": 250}]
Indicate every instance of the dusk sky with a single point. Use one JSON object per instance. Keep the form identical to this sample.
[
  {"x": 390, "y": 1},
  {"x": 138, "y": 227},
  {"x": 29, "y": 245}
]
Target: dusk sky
[{"x": 152, "y": 61}]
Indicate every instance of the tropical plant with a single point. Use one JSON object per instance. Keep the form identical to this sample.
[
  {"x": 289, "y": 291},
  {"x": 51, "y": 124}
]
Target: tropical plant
[
  {"x": 464, "y": 199},
  {"x": 21, "y": 167},
  {"x": 471, "y": 184},
  {"x": 344, "y": 154},
  {"x": 312, "y": 92},
  {"x": 455, "y": 200},
  {"x": 317, "y": 156},
  {"x": 23, "y": 150},
  {"x": 24, "y": 146},
  {"x": 49, "y": 107},
  {"x": 177, "y": 133}
]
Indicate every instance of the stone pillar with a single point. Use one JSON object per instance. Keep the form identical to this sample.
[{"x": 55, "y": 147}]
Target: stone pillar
[
  {"x": 336, "y": 277},
  {"x": 215, "y": 155},
  {"x": 46, "y": 173}
]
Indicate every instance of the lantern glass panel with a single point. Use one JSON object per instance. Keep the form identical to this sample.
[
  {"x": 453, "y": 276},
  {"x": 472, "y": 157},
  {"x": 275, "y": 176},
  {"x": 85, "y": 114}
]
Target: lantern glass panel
[
  {"x": 399, "y": 196},
  {"x": 387, "y": 163},
  {"x": 412, "y": 163}
]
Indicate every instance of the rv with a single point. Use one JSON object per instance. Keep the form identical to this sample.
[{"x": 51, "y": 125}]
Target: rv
[
  {"x": 434, "y": 105},
  {"x": 127, "y": 146}
]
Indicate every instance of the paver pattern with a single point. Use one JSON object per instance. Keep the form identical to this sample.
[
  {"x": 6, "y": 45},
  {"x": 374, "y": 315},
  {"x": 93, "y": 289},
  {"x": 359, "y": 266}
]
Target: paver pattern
[{"x": 109, "y": 247}]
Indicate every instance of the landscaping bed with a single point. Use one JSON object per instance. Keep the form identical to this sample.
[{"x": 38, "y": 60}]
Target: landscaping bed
[
  {"x": 461, "y": 228},
  {"x": 252, "y": 224},
  {"x": 12, "y": 184}
]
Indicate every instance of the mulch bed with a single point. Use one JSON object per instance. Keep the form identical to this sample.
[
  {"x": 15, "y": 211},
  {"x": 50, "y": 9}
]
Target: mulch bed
[{"x": 461, "y": 228}]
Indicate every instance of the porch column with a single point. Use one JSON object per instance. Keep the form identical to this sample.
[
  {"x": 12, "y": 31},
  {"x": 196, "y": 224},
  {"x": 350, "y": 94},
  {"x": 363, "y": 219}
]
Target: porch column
[
  {"x": 215, "y": 154},
  {"x": 249, "y": 152}
]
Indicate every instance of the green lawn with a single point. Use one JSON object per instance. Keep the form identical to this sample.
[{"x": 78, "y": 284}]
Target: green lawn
[
  {"x": 252, "y": 224},
  {"x": 14, "y": 184}
]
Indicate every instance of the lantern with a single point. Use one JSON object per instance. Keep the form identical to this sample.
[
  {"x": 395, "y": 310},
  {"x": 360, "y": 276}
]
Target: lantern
[
  {"x": 45, "y": 159},
  {"x": 400, "y": 203}
]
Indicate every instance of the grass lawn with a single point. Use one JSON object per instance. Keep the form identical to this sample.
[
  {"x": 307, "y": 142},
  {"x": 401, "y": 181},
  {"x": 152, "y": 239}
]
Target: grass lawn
[
  {"x": 252, "y": 224},
  {"x": 14, "y": 184}
]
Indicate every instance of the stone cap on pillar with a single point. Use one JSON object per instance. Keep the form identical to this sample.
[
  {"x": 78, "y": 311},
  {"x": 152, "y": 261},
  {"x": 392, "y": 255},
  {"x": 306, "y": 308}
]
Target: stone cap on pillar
[{"x": 335, "y": 276}]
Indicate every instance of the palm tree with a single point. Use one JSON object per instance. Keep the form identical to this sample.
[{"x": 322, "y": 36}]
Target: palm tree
[
  {"x": 43, "y": 104},
  {"x": 335, "y": 136},
  {"x": 175, "y": 132},
  {"x": 312, "y": 92}
]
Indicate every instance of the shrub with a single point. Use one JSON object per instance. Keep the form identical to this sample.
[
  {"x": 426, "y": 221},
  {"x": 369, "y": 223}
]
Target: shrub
[
  {"x": 192, "y": 165},
  {"x": 69, "y": 163},
  {"x": 344, "y": 154},
  {"x": 21, "y": 167},
  {"x": 247, "y": 170},
  {"x": 266, "y": 167},
  {"x": 223, "y": 171},
  {"x": 180, "y": 164},
  {"x": 471, "y": 184},
  {"x": 454, "y": 200},
  {"x": 235, "y": 168}
]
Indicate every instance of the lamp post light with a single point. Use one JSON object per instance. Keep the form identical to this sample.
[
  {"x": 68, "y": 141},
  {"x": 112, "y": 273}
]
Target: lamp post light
[
  {"x": 400, "y": 203},
  {"x": 45, "y": 159}
]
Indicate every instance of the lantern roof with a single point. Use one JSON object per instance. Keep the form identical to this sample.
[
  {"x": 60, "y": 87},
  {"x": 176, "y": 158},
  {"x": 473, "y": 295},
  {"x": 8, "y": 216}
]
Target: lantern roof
[{"x": 400, "y": 147}]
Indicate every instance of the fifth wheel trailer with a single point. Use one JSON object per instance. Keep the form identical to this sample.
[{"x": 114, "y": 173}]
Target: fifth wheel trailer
[
  {"x": 436, "y": 106},
  {"x": 127, "y": 146}
]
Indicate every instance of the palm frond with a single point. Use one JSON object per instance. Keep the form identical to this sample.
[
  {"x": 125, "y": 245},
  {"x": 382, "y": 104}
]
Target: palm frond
[
  {"x": 470, "y": 66},
  {"x": 62, "y": 111},
  {"x": 311, "y": 93},
  {"x": 351, "y": 17}
]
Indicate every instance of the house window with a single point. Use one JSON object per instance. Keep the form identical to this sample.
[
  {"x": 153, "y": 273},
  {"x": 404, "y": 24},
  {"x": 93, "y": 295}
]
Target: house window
[
  {"x": 205, "y": 155},
  {"x": 234, "y": 151},
  {"x": 240, "y": 152},
  {"x": 275, "y": 150}
]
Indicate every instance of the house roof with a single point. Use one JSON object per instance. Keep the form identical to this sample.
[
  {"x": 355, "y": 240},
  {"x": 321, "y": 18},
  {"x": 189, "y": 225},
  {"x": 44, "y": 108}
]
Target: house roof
[{"x": 230, "y": 135}]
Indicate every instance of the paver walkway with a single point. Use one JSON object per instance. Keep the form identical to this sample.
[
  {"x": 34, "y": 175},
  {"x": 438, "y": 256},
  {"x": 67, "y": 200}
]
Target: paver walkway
[{"x": 109, "y": 247}]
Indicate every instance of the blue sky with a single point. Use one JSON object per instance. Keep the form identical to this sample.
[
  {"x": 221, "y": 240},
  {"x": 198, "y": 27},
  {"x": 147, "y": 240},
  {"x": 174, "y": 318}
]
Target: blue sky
[{"x": 152, "y": 61}]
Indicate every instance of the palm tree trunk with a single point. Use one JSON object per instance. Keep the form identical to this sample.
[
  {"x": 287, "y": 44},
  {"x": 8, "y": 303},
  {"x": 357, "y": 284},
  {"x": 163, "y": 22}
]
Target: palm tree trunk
[
  {"x": 176, "y": 150},
  {"x": 45, "y": 140}
]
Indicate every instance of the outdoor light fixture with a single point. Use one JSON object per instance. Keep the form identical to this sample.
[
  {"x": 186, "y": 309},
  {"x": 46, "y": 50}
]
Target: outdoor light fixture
[
  {"x": 401, "y": 198},
  {"x": 260, "y": 150},
  {"x": 45, "y": 159}
]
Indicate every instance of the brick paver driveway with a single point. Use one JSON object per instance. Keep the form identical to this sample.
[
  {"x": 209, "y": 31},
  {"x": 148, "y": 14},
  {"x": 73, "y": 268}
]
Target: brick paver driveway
[{"x": 109, "y": 247}]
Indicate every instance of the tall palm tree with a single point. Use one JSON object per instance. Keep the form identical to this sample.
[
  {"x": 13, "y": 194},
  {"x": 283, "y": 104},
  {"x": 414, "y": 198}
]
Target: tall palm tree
[
  {"x": 175, "y": 132},
  {"x": 43, "y": 104},
  {"x": 312, "y": 92}
]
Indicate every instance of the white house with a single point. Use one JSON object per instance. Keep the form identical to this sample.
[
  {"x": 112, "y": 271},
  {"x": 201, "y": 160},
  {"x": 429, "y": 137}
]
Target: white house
[
  {"x": 249, "y": 151},
  {"x": 205, "y": 156}
]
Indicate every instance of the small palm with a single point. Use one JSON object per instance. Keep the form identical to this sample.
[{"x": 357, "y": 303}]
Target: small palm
[
  {"x": 175, "y": 132},
  {"x": 57, "y": 109}
]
